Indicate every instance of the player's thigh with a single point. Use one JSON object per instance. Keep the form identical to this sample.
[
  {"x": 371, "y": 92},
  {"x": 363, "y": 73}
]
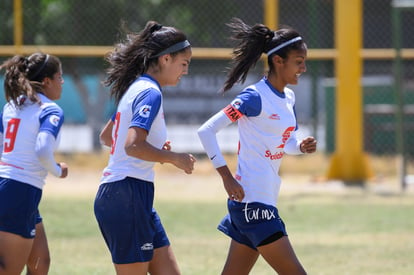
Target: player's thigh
[
  {"x": 240, "y": 259},
  {"x": 39, "y": 258},
  {"x": 163, "y": 262},
  {"x": 281, "y": 256},
  {"x": 139, "y": 268},
  {"x": 14, "y": 252}
]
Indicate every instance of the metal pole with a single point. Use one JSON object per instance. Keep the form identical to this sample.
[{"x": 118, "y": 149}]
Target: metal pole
[
  {"x": 271, "y": 18},
  {"x": 349, "y": 162},
  {"x": 314, "y": 65},
  {"x": 271, "y": 13},
  {"x": 18, "y": 25},
  {"x": 397, "y": 7}
]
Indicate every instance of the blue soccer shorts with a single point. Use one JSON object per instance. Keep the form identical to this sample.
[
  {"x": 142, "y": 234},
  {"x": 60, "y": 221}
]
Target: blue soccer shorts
[
  {"x": 19, "y": 204},
  {"x": 251, "y": 223},
  {"x": 128, "y": 222}
]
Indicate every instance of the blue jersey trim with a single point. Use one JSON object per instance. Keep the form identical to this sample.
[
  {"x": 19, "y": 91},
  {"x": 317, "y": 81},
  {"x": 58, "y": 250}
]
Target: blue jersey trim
[
  {"x": 249, "y": 101},
  {"x": 151, "y": 79},
  {"x": 145, "y": 108},
  {"x": 1, "y": 124},
  {"x": 275, "y": 91},
  {"x": 51, "y": 119},
  {"x": 294, "y": 112}
]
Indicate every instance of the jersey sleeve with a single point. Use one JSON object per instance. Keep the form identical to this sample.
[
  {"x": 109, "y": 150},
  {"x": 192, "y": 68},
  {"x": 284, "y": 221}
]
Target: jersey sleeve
[
  {"x": 292, "y": 146},
  {"x": 51, "y": 119},
  {"x": 1, "y": 123},
  {"x": 145, "y": 108},
  {"x": 208, "y": 137},
  {"x": 113, "y": 117},
  {"x": 247, "y": 103},
  {"x": 44, "y": 149},
  {"x": 1, "y": 133}
]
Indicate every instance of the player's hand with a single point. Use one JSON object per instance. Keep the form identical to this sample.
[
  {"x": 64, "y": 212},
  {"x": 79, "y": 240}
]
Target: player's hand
[
  {"x": 308, "y": 145},
  {"x": 64, "y": 168},
  {"x": 234, "y": 189},
  {"x": 167, "y": 146},
  {"x": 185, "y": 162}
]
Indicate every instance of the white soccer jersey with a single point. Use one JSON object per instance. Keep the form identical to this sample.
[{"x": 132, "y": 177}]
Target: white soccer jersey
[
  {"x": 266, "y": 124},
  {"x": 262, "y": 144},
  {"x": 140, "y": 106},
  {"x": 20, "y": 128}
]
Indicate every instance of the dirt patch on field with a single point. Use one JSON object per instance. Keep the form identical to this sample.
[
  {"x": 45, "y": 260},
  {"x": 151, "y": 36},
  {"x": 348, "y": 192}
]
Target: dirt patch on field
[{"x": 300, "y": 175}]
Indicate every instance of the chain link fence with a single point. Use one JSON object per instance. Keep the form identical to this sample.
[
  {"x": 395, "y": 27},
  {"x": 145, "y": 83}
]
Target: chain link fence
[{"x": 97, "y": 22}]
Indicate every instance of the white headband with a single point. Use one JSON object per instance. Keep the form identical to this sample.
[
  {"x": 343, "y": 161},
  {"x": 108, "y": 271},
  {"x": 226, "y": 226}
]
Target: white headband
[{"x": 284, "y": 44}]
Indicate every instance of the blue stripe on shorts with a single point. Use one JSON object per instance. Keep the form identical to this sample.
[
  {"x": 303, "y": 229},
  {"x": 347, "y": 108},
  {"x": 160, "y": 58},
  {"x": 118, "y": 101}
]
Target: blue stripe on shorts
[
  {"x": 128, "y": 222},
  {"x": 19, "y": 204},
  {"x": 251, "y": 223}
]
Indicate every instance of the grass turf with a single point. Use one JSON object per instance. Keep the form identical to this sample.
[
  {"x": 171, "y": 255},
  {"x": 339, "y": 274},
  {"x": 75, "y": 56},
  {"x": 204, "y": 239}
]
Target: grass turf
[{"x": 332, "y": 234}]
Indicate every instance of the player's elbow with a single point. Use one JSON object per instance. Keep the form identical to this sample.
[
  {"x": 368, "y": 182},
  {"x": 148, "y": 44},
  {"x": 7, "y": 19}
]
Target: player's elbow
[
  {"x": 203, "y": 132},
  {"x": 130, "y": 149},
  {"x": 105, "y": 139},
  {"x": 135, "y": 150}
]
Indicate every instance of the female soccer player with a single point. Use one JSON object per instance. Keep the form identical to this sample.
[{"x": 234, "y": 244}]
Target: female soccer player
[
  {"x": 265, "y": 112},
  {"x": 29, "y": 131},
  {"x": 139, "y": 67}
]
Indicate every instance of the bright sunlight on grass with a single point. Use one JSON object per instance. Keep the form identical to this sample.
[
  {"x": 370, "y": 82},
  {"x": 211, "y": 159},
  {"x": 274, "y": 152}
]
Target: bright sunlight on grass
[{"x": 334, "y": 229}]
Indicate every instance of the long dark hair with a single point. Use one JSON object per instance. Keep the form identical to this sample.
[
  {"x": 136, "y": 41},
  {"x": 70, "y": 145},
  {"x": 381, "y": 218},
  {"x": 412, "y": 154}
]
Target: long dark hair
[
  {"x": 252, "y": 41},
  {"x": 24, "y": 75},
  {"x": 137, "y": 53}
]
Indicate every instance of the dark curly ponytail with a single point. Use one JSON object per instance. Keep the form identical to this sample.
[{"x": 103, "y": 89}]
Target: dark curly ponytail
[{"x": 252, "y": 41}]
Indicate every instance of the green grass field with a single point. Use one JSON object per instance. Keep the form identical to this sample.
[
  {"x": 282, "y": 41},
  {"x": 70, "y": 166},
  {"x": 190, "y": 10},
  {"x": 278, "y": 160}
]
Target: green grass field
[{"x": 334, "y": 230}]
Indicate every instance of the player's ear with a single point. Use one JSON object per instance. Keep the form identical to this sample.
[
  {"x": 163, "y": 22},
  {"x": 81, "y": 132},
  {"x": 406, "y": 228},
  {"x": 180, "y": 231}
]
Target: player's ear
[
  {"x": 277, "y": 59},
  {"x": 46, "y": 81},
  {"x": 164, "y": 58}
]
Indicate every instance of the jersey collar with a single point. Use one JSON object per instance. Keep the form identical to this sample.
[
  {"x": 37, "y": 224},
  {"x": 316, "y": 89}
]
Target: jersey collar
[
  {"x": 150, "y": 78},
  {"x": 275, "y": 91}
]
